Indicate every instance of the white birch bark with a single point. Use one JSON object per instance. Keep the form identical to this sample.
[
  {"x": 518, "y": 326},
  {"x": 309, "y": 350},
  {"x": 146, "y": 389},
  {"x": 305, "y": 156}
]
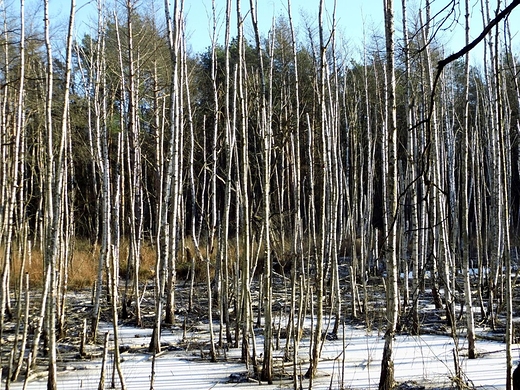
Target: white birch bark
[
  {"x": 266, "y": 134},
  {"x": 246, "y": 315},
  {"x": 99, "y": 114},
  {"x": 292, "y": 331},
  {"x": 134, "y": 166},
  {"x": 389, "y": 141},
  {"x": 465, "y": 201},
  {"x": 53, "y": 190},
  {"x": 11, "y": 166}
]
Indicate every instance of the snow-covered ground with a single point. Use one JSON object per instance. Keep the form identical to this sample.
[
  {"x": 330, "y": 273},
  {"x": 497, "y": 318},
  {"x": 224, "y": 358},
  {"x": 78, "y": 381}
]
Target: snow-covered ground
[{"x": 424, "y": 359}]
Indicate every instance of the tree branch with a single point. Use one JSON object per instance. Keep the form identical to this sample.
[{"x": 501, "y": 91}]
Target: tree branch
[
  {"x": 502, "y": 15},
  {"x": 466, "y": 49}
]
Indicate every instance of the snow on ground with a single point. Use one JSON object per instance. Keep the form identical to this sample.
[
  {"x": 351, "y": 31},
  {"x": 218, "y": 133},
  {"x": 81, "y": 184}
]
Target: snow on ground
[{"x": 424, "y": 359}]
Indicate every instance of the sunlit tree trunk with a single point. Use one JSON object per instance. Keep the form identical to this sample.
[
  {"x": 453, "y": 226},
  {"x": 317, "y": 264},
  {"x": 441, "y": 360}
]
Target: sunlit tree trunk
[
  {"x": 51, "y": 236},
  {"x": 266, "y": 134},
  {"x": 337, "y": 188},
  {"x": 217, "y": 282},
  {"x": 509, "y": 288},
  {"x": 494, "y": 181},
  {"x": 11, "y": 164},
  {"x": 297, "y": 268},
  {"x": 165, "y": 273},
  {"x": 7, "y": 187},
  {"x": 229, "y": 146},
  {"x": 505, "y": 186},
  {"x": 100, "y": 133},
  {"x": 246, "y": 315},
  {"x": 134, "y": 166},
  {"x": 389, "y": 148},
  {"x": 465, "y": 203},
  {"x": 501, "y": 139},
  {"x": 53, "y": 191}
]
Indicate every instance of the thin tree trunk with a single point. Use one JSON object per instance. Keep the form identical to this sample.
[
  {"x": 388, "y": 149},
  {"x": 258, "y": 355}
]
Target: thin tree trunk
[
  {"x": 465, "y": 205},
  {"x": 389, "y": 140},
  {"x": 246, "y": 315},
  {"x": 99, "y": 114},
  {"x": 229, "y": 145},
  {"x": 101, "y": 384},
  {"x": 266, "y": 133},
  {"x": 12, "y": 185},
  {"x": 134, "y": 168},
  {"x": 53, "y": 192}
]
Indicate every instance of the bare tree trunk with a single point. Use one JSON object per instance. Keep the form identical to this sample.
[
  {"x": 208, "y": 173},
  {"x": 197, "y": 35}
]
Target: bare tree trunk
[
  {"x": 53, "y": 192},
  {"x": 412, "y": 172},
  {"x": 266, "y": 133},
  {"x": 101, "y": 384},
  {"x": 100, "y": 140},
  {"x": 134, "y": 168},
  {"x": 11, "y": 186},
  {"x": 297, "y": 267},
  {"x": 465, "y": 205},
  {"x": 389, "y": 141},
  {"x": 23, "y": 343},
  {"x": 165, "y": 272},
  {"x": 246, "y": 315},
  {"x": 7, "y": 187},
  {"x": 175, "y": 163},
  {"x": 325, "y": 228},
  {"x": 509, "y": 288},
  {"x": 229, "y": 146},
  {"x": 217, "y": 282}
]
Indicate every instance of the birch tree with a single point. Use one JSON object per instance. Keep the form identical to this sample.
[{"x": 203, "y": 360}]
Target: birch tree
[
  {"x": 266, "y": 133},
  {"x": 11, "y": 163},
  {"x": 389, "y": 145},
  {"x": 465, "y": 204},
  {"x": 101, "y": 144},
  {"x": 165, "y": 262},
  {"x": 134, "y": 165},
  {"x": 53, "y": 189},
  {"x": 246, "y": 316}
]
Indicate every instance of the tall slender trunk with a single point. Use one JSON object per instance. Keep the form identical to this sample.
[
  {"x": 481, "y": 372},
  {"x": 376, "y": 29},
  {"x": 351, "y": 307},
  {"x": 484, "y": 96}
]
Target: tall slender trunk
[
  {"x": 229, "y": 146},
  {"x": 100, "y": 132},
  {"x": 246, "y": 314},
  {"x": 389, "y": 141},
  {"x": 297, "y": 268},
  {"x": 465, "y": 203},
  {"x": 509, "y": 287},
  {"x": 53, "y": 190},
  {"x": 165, "y": 263},
  {"x": 11, "y": 185},
  {"x": 134, "y": 167},
  {"x": 266, "y": 133}
]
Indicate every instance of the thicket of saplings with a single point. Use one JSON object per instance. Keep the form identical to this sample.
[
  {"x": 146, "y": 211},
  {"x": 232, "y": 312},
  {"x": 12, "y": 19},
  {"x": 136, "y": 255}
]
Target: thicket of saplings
[{"x": 83, "y": 270}]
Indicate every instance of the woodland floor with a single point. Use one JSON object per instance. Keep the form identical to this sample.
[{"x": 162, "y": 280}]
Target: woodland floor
[{"x": 350, "y": 360}]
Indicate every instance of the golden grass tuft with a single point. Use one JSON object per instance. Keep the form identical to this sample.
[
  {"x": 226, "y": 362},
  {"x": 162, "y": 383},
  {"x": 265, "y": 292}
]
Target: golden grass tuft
[
  {"x": 186, "y": 257},
  {"x": 146, "y": 262},
  {"x": 83, "y": 265},
  {"x": 84, "y": 262}
]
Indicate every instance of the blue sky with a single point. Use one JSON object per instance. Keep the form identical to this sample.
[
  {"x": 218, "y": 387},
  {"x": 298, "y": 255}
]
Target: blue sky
[
  {"x": 355, "y": 19},
  {"x": 352, "y": 17}
]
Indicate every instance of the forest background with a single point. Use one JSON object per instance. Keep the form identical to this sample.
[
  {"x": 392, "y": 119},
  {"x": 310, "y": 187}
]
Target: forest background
[{"x": 129, "y": 158}]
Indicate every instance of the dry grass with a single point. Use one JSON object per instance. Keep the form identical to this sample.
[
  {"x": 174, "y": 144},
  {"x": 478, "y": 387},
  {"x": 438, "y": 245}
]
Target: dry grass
[
  {"x": 84, "y": 262},
  {"x": 189, "y": 254},
  {"x": 83, "y": 265},
  {"x": 146, "y": 262}
]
